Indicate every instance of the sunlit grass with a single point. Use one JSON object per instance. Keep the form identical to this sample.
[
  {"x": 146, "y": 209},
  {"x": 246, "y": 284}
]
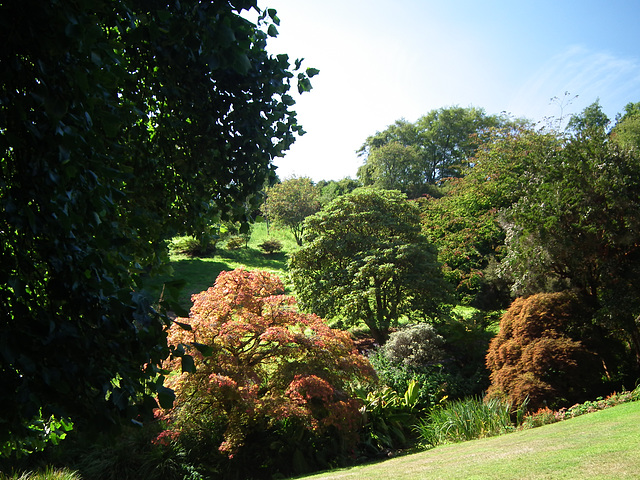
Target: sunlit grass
[
  {"x": 49, "y": 473},
  {"x": 200, "y": 273},
  {"x": 601, "y": 445}
]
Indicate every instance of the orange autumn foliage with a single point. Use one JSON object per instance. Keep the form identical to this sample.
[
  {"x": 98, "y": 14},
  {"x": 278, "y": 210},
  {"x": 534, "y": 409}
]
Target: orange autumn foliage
[
  {"x": 260, "y": 361},
  {"x": 534, "y": 356}
]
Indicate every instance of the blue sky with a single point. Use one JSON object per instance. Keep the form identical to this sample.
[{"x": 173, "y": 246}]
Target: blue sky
[{"x": 382, "y": 60}]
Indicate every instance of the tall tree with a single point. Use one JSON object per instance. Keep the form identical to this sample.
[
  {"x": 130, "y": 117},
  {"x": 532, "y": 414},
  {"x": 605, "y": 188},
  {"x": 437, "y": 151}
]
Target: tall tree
[
  {"x": 290, "y": 202},
  {"x": 332, "y": 189},
  {"x": 576, "y": 225},
  {"x": 465, "y": 223},
  {"x": 413, "y": 157},
  {"x": 626, "y": 132},
  {"x": 121, "y": 123},
  {"x": 365, "y": 260}
]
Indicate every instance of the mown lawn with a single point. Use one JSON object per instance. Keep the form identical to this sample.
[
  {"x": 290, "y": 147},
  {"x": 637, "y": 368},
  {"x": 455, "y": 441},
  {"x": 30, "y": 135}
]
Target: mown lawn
[{"x": 600, "y": 445}]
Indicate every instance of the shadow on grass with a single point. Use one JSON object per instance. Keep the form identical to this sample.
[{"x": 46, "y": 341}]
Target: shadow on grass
[
  {"x": 200, "y": 273},
  {"x": 252, "y": 258}
]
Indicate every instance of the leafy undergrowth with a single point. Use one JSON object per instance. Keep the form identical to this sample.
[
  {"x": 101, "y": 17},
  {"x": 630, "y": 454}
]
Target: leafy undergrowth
[{"x": 601, "y": 445}]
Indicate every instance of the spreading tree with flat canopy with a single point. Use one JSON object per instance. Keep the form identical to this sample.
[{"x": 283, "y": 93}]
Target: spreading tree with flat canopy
[
  {"x": 365, "y": 259},
  {"x": 122, "y": 122}
]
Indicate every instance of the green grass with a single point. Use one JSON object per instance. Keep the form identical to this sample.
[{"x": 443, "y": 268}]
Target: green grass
[
  {"x": 48, "y": 474},
  {"x": 601, "y": 445},
  {"x": 200, "y": 273}
]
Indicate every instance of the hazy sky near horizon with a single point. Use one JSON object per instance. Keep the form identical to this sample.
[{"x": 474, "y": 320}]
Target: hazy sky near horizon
[{"x": 382, "y": 60}]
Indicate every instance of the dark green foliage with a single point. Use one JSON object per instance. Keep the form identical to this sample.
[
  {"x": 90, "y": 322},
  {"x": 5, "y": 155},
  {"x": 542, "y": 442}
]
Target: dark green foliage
[
  {"x": 365, "y": 260},
  {"x": 577, "y": 226},
  {"x": 271, "y": 246},
  {"x": 122, "y": 123},
  {"x": 465, "y": 223},
  {"x": 442, "y": 367}
]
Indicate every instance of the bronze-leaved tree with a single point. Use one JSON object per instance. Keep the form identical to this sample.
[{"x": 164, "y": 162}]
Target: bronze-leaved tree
[
  {"x": 366, "y": 260},
  {"x": 265, "y": 373},
  {"x": 537, "y": 356}
]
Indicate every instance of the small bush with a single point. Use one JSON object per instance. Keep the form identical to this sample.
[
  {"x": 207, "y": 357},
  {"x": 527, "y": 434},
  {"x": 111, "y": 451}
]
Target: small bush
[
  {"x": 543, "y": 416},
  {"x": 465, "y": 420},
  {"x": 271, "y": 246},
  {"x": 236, "y": 242},
  {"x": 193, "y": 246},
  {"x": 417, "y": 345}
]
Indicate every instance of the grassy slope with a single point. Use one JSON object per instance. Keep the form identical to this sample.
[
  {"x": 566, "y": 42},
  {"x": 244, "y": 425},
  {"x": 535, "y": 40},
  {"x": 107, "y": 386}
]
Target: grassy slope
[
  {"x": 601, "y": 445},
  {"x": 201, "y": 273}
]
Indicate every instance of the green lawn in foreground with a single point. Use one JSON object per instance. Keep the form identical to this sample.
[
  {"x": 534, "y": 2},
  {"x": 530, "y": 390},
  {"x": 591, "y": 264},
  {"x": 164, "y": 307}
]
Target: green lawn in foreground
[{"x": 600, "y": 445}]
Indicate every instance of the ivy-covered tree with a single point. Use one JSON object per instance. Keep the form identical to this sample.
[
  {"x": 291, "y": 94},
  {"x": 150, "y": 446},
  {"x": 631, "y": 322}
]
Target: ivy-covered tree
[
  {"x": 121, "y": 123},
  {"x": 365, "y": 260},
  {"x": 265, "y": 374},
  {"x": 288, "y": 203}
]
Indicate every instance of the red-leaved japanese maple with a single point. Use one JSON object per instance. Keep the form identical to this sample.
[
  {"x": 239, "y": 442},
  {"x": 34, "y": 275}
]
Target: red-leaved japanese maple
[{"x": 259, "y": 361}]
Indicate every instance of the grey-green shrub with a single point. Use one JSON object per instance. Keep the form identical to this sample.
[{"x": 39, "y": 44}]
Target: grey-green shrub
[{"x": 416, "y": 345}]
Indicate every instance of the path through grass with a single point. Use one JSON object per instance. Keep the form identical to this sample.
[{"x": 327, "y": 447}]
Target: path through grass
[{"x": 600, "y": 445}]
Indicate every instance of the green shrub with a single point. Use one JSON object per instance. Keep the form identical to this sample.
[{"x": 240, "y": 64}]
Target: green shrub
[
  {"x": 195, "y": 247},
  {"x": 271, "y": 246},
  {"x": 433, "y": 382},
  {"x": 236, "y": 242},
  {"x": 418, "y": 353},
  {"x": 389, "y": 418},
  {"x": 465, "y": 419}
]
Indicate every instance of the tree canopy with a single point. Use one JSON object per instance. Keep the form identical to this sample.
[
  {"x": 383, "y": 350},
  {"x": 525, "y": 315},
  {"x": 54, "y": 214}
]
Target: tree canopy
[
  {"x": 413, "y": 157},
  {"x": 121, "y": 123},
  {"x": 288, "y": 203},
  {"x": 365, "y": 260}
]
